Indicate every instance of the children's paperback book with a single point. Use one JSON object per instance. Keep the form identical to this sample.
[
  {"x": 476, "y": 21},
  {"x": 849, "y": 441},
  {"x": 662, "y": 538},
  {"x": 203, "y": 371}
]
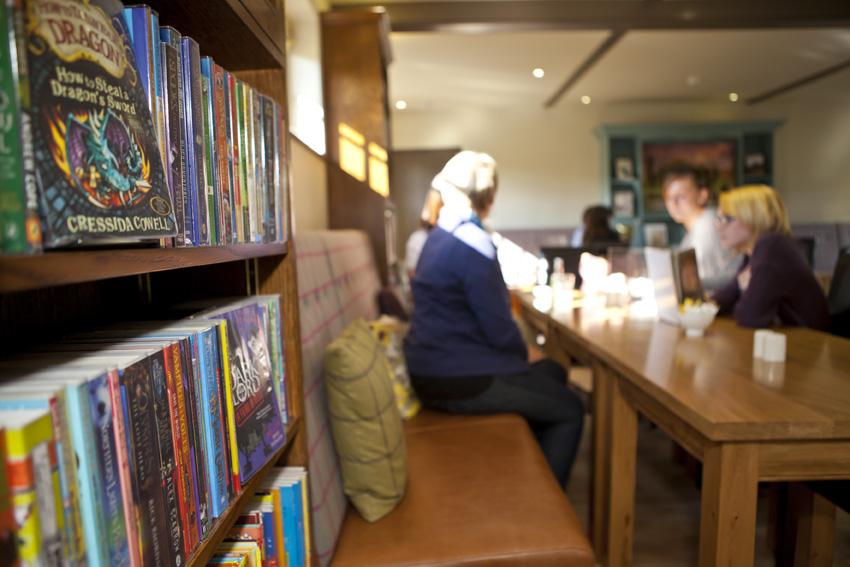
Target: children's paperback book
[{"x": 98, "y": 164}]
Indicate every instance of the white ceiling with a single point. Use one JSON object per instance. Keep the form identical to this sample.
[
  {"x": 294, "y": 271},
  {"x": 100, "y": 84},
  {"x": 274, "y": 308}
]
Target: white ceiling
[{"x": 435, "y": 69}]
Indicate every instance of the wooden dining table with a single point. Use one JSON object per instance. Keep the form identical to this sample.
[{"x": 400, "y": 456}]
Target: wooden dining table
[{"x": 746, "y": 420}]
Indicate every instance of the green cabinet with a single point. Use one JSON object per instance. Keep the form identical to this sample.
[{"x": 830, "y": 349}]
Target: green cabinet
[{"x": 635, "y": 157}]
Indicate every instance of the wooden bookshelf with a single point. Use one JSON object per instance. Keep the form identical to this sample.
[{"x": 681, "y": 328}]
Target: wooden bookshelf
[{"x": 45, "y": 296}]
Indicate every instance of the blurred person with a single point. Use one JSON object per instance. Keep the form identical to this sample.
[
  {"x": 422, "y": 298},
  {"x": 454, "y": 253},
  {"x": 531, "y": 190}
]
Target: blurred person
[
  {"x": 686, "y": 196},
  {"x": 464, "y": 352},
  {"x": 775, "y": 284},
  {"x": 427, "y": 220},
  {"x": 597, "y": 227}
]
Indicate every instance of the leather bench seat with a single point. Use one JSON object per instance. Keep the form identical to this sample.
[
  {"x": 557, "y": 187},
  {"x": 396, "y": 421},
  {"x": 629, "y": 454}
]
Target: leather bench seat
[{"x": 479, "y": 494}]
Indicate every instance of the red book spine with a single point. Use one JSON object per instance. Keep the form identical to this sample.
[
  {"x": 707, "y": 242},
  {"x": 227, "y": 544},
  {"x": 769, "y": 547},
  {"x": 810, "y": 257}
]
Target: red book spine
[{"x": 174, "y": 415}]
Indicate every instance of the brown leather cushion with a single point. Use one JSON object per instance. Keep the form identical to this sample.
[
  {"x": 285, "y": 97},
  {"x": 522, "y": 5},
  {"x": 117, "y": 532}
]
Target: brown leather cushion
[{"x": 480, "y": 493}]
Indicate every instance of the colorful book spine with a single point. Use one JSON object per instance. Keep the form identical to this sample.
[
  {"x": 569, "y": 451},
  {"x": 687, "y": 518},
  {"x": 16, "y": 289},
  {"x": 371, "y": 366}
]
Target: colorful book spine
[
  {"x": 198, "y": 498},
  {"x": 270, "y": 168},
  {"x": 20, "y": 228},
  {"x": 228, "y": 393},
  {"x": 159, "y": 93},
  {"x": 195, "y": 413},
  {"x": 239, "y": 165},
  {"x": 160, "y": 368},
  {"x": 250, "y": 188},
  {"x": 187, "y": 478},
  {"x": 221, "y": 363},
  {"x": 35, "y": 495},
  {"x": 100, "y": 408},
  {"x": 212, "y": 422},
  {"x": 8, "y": 526},
  {"x": 119, "y": 419},
  {"x": 91, "y": 499},
  {"x": 259, "y": 161},
  {"x": 222, "y": 155},
  {"x": 210, "y": 148},
  {"x": 137, "y": 390},
  {"x": 173, "y": 87},
  {"x": 191, "y": 57}
]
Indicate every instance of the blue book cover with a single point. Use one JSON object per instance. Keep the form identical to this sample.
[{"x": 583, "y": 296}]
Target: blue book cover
[
  {"x": 210, "y": 148},
  {"x": 91, "y": 499},
  {"x": 158, "y": 92},
  {"x": 100, "y": 407},
  {"x": 139, "y": 29},
  {"x": 194, "y": 117},
  {"x": 292, "y": 537},
  {"x": 212, "y": 422}
]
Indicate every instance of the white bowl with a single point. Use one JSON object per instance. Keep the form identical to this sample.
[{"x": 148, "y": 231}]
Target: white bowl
[{"x": 696, "y": 318}]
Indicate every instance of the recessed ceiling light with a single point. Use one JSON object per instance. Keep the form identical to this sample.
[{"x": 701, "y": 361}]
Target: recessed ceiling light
[
  {"x": 733, "y": 97},
  {"x": 538, "y": 73},
  {"x": 400, "y": 104},
  {"x": 585, "y": 99}
]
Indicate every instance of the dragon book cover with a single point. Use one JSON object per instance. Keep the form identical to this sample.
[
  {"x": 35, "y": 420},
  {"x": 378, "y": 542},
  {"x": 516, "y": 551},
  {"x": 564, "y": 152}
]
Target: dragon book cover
[{"x": 99, "y": 168}]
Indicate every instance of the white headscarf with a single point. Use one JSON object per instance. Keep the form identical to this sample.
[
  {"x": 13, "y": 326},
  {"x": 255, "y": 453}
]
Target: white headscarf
[{"x": 464, "y": 175}]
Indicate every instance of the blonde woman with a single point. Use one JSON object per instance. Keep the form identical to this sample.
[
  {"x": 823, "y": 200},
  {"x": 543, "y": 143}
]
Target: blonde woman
[{"x": 775, "y": 284}]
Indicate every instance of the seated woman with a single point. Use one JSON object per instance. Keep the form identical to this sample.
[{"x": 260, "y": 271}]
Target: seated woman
[
  {"x": 464, "y": 351},
  {"x": 775, "y": 284}
]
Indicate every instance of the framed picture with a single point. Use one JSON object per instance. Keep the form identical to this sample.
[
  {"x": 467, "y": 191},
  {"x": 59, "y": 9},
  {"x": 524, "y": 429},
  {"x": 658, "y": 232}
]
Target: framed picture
[
  {"x": 754, "y": 164},
  {"x": 623, "y": 203},
  {"x": 655, "y": 235},
  {"x": 718, "y": 158},
  {"x": 624, "y": 168}
]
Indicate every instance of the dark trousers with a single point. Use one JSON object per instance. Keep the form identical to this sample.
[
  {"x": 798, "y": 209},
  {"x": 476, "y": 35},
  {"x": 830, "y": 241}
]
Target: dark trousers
[{"x": 554, "y": 413}]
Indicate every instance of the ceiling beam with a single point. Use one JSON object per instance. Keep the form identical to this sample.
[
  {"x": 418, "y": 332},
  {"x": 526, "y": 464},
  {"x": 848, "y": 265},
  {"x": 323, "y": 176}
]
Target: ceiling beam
[
  {"x": 478, "y": 16},
  {"x": 798, "y": 83},
  {"x": 603, "y": 48}
]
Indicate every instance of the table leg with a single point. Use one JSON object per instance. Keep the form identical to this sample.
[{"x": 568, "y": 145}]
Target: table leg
[
  {"x": 600, "y": 412},
  {"x": 621, "y": 479},
  {"x": 728, "y": 508}
]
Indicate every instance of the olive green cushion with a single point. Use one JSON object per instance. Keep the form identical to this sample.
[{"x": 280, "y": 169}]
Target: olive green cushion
[{"x": 365, "y": 422}]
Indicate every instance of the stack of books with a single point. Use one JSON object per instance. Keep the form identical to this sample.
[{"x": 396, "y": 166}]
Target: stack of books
[{"x": 124, "y": 445}]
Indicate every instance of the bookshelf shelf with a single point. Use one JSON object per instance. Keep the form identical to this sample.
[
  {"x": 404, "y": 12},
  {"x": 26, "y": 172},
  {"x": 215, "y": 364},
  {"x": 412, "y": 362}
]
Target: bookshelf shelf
[{"x": 19, "y": 273}]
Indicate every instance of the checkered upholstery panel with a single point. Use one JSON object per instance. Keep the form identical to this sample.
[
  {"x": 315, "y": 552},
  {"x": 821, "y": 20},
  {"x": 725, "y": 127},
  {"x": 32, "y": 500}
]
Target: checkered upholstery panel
[{"x": 337, "y": 283}]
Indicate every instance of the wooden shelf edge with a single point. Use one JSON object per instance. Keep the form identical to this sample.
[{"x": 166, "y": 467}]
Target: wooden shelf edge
[
  {"x": 52, "y": 268},
  {"x": 222, "y": 526}
]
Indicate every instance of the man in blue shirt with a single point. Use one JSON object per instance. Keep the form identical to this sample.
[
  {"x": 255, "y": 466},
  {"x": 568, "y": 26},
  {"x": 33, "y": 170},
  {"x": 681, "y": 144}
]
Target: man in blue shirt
[{"x": 464, "y": 352}]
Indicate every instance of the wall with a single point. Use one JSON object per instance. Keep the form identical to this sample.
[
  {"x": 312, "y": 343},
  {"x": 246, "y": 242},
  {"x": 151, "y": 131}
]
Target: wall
[
  {"x": 309, "y": 186},
  {"x": 549, "y": 166}
]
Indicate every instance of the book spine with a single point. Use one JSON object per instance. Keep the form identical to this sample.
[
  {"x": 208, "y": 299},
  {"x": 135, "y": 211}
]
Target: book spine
[
  {"x": 189, "y": 157},
  {"x": 250, "y": 170},
  {"x": 259, "y": 166},
  {"x": 75, "y": 537},
  {"x": 158, "y": 92},
  {"x": 290, "y": 522},
  {"x": 212, "y": 424},
  {"x": 238, "y": 161},
  {"x": 228, "y": 392},
  {"x": 210, "y": 148},
  {"x": 179, "y": 469},
  {"x": 141, "y": 424},
  {"x": 171, "y": 118},
  {"x": 190, "y": 498},
  {"x": 100, "y": 406},
  {"x": 8, "y": 526},
  {"x": 195, "y": 125},
  {"x": 91, "y": 500},
  {"x": 283, "y": 173},
  {"x": 195, "y": 413},
  {"x": 270, "y": 157},
  {"x": 159, "y": 372},
  {"x": 119, "y": 419},
  {"x": 189, "y": 411},
  {"x": 177, "y": 133},
  {"x": 221, "y": 154},
  {"x": 224, "y": 422},
  {"x": 19, "y": 220}
]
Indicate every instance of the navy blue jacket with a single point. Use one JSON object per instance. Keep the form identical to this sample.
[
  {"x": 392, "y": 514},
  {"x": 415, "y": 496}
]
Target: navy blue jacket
[{"x": 461, "y": 324}]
